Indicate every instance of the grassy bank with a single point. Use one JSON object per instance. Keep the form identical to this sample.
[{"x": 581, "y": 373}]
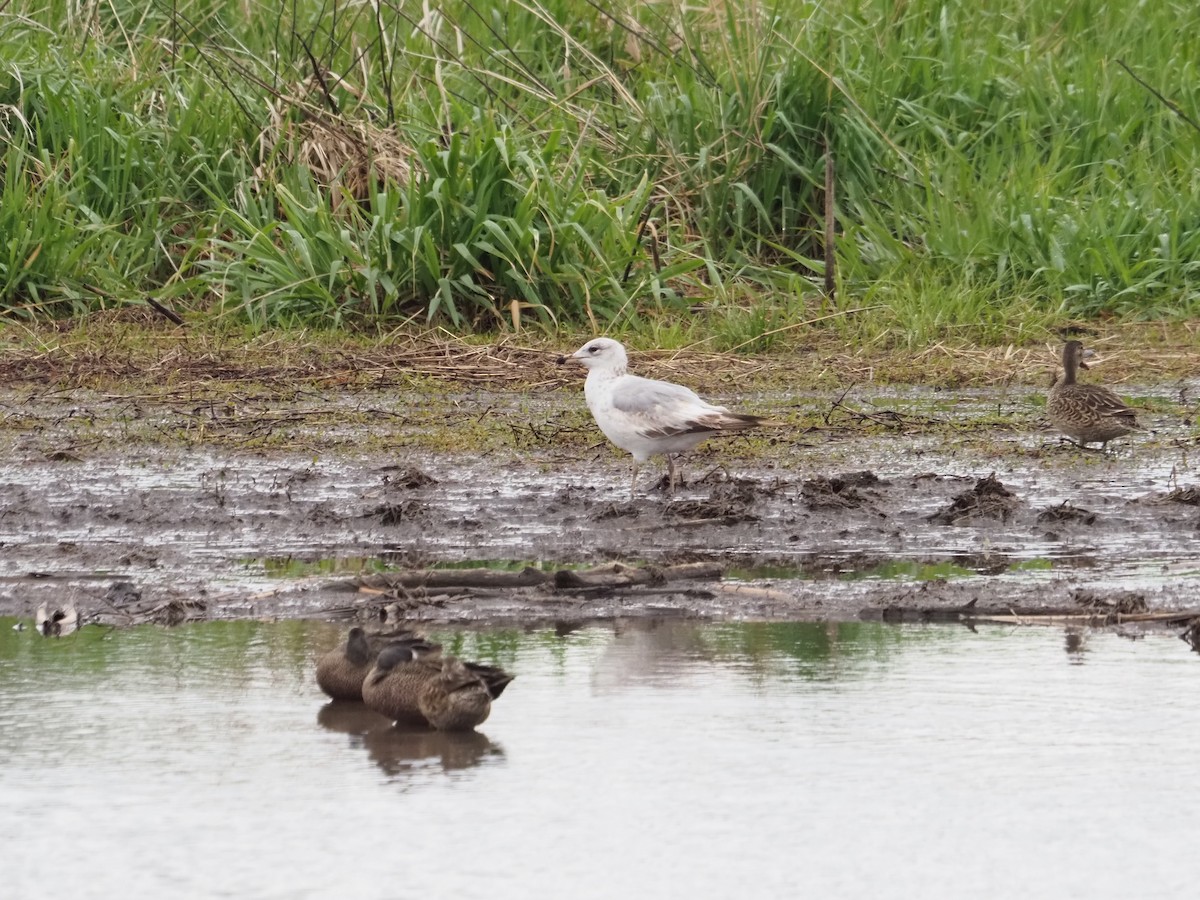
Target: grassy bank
[
  {"x": 137, "y": 351},
  {"x": 637, "y": 168}
]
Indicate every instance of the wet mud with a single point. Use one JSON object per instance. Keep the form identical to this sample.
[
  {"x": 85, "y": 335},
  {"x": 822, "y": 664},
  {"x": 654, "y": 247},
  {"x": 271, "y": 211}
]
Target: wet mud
[{"x": 917, "y": 518}]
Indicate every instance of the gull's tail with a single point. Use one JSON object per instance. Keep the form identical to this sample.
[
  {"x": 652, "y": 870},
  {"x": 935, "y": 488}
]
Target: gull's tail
[{"x": 723, "y": 420}]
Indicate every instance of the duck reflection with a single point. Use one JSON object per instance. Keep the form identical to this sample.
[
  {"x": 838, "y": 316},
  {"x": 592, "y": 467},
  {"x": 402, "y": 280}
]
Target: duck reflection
[
  {"x": 1075, "y": 643},
  {"x": 405, "y": 751},
  {"x": 349, "y": 717},
  {"x": 401, "y": 751}
]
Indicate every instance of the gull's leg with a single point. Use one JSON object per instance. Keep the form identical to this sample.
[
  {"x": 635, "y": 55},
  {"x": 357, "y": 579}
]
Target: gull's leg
[
  {"x": 670, "y": 475},
  {"x": 633, "y": 481}
]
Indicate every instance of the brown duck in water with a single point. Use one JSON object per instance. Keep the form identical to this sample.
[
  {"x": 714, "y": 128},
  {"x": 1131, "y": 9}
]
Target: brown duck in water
[
  {"x": 340, "y": 672},
  {"x": 416, "y": 687},
  {"x": 1086, "y": 413}
]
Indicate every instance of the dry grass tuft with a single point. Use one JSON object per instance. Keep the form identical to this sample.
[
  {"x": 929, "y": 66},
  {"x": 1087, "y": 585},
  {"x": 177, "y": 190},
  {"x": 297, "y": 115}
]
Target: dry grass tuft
[{"x": 349, "y": 156}]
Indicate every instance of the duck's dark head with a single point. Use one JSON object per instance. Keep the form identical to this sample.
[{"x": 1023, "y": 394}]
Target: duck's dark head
[{"x": 393, "y": 655}]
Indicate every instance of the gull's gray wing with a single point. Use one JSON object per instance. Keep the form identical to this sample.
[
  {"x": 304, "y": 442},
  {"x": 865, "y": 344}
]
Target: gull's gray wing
[{"x": 662, "y": 409}]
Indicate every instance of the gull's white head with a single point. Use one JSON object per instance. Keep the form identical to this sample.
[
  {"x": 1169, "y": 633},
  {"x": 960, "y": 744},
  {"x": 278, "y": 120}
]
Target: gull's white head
[{"x": 600, "y": 353}]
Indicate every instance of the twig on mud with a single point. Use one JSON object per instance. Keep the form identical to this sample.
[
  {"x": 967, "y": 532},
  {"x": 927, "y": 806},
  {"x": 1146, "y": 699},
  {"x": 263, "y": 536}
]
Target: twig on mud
[
  {"x": 888, "y": 418},
  {"x": 545, "y": 434},
  {"x": 837, "y": 403},
  {"x": 165, "y": 312}
]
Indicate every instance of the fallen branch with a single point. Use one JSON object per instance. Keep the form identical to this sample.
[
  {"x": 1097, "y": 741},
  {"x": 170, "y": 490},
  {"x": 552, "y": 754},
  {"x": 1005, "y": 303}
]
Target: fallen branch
[
  {"x": 751, "y": 592},
  {"x": 618, "y": 575},
  {"x": 452, "y": 578}
]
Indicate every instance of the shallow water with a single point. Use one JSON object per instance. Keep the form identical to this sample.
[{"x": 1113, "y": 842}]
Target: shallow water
[{"x": 654, "y": 760}]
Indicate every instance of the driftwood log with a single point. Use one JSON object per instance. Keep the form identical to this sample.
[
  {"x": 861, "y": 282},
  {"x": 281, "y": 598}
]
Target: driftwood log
[
  {"x": 612, "y": 575},
  {"x": 972, "y": 614},
  {"x": 389, "y": 596}
]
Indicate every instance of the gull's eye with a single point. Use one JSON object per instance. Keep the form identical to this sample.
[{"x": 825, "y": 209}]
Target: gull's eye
[{"x": 593, "y": 349}]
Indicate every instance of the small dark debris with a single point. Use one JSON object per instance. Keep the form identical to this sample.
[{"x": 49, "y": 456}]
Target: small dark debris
[
  {"x": 572, "y": 495},
  {"x": 988, "y": 499},
  {"x": 718, "y": 511},
  {"x": 841, "y": 491},
  {"x": 324, "y": 515},
  {"x": 1191, "y": 635},
  {"x": 398, "y": 513},
  {"x": 906, "y": 615},
  {"x": 1189, "y": 495},
  {"x": 300, "y": 476},
  {"x": 721, "y": 480},
  {"x": 1121, "y": 602},
  {"x": 122, "y": 593},
  {"x": 1066, "y": 512},
  {"x": 615, "y": 511},
  {"x": 865, "y": 478},
  {"x": 408, "y": 479},
  {"x": 742, "y": 491},
  {"x": 176, "y": 612}
]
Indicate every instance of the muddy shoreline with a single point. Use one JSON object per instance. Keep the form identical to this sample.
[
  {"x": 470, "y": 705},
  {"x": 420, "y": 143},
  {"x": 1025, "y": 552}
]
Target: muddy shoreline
[{"x": 277, "y": 503}]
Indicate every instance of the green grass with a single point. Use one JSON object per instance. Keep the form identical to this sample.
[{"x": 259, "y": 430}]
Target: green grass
[{"x": 636, "y": 168}]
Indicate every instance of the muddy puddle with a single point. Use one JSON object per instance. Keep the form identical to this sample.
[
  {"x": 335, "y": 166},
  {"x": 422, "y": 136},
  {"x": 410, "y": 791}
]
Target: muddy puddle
[
  {"x": 638, "y": 758},
  {"x": 170, "y": 510}
]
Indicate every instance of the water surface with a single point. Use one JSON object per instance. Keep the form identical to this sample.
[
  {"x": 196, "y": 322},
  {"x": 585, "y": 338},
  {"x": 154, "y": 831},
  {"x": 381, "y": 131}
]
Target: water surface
[{"x": 654, "y": 760}]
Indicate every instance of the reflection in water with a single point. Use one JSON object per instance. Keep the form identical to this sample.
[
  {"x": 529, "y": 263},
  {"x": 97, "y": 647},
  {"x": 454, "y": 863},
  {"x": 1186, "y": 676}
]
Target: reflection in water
[
  {"x": 399, "y": 752},
  {"x": 639, "y": 759},
  {"x": 649, "y": 651},
  {"x": 406, "y": 751},
  {"x": 349, "y": 718},
  {"x": 1075, "y": 643}
]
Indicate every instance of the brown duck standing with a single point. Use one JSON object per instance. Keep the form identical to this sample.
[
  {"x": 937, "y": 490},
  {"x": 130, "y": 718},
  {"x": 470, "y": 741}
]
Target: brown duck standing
[
  {"x": 416, "y": 687},
  {"x": 1086, "y": 413}
]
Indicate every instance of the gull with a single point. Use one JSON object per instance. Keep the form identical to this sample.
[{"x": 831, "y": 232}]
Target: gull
[{"x": 647, "y": 417}]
